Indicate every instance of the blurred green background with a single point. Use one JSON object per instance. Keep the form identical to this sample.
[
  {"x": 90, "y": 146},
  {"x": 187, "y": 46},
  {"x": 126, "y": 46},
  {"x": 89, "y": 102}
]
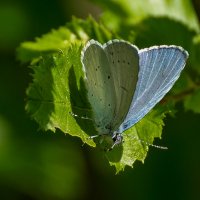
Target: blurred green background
[{"x": 43, "y": 165}]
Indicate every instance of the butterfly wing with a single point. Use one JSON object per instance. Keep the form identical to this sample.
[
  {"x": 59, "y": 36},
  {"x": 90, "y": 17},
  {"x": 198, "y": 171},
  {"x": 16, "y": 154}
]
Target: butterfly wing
[
  {"x": 100, "y": 85},
  {"x": 160, "y": 67},
  {"x": 123, "y": 60}
]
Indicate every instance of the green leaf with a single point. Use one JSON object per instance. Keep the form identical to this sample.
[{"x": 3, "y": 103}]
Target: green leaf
[
  {"x": 57, "y": 92},
  {"x": 137, "y": 140},
  {"x": 125, "y": 12},
  {"x": 56, "y": 40},
  {"x": 48, "y": 43},
  {"x": 157, "y": 31}
]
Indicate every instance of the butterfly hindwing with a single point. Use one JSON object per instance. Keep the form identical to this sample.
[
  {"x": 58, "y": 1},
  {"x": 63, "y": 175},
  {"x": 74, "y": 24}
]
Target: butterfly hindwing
[{"x": 99, "y": 83}]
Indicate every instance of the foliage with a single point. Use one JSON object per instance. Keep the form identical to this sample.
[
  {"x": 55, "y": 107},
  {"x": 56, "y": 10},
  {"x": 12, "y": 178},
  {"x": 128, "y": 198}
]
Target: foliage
[{"x": 57, "y": 91}]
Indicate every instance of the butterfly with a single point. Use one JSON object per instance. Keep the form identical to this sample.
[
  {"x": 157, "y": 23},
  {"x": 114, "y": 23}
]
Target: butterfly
[{"x": 124, "y": 83}]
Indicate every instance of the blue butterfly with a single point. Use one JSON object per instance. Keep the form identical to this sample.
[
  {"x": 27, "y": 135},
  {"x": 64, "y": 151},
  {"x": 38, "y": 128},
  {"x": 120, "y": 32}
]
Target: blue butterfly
[{"x": 125, "y": 83}]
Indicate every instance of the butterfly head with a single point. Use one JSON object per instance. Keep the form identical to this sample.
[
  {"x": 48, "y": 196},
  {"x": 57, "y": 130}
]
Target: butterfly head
[{"x": 117, "y": 139}]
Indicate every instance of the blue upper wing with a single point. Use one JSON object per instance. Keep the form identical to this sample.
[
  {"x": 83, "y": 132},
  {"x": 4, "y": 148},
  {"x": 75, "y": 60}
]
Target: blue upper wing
[{"x": 160, "y": 67}]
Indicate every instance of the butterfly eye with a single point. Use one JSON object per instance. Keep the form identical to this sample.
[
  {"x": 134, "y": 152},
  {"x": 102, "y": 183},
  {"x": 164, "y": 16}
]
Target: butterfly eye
[{"x": 125, "y": 126}]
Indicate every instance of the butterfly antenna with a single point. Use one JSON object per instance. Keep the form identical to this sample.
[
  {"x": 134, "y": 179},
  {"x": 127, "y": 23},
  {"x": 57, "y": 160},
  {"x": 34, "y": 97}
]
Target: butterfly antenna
[
  {"x": 149, "y": 144},
  {"x": 93, "y": 136},
  {"x": 81, "y": 117},
  {"x": 156, "y": 146},
  {"x": 111, "y": 148}
]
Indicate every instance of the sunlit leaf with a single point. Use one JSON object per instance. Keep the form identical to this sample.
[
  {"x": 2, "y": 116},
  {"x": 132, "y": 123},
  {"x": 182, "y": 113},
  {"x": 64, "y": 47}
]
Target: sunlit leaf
[
  {"x": 56, "y": 40},
  {"x": 137, "y": 140}
]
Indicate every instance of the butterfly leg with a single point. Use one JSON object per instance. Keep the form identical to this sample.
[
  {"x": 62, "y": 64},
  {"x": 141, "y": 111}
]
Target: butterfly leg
[
  {"x": 98, "y": 135},
  {"x": 93, "y": 136},
  {"x": 117, "y": 139}
]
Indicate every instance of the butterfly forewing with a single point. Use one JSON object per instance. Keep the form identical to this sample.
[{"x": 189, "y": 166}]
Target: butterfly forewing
[
  {"x": 100, "y": 86},
  {"x": 160, "y": 67}
]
